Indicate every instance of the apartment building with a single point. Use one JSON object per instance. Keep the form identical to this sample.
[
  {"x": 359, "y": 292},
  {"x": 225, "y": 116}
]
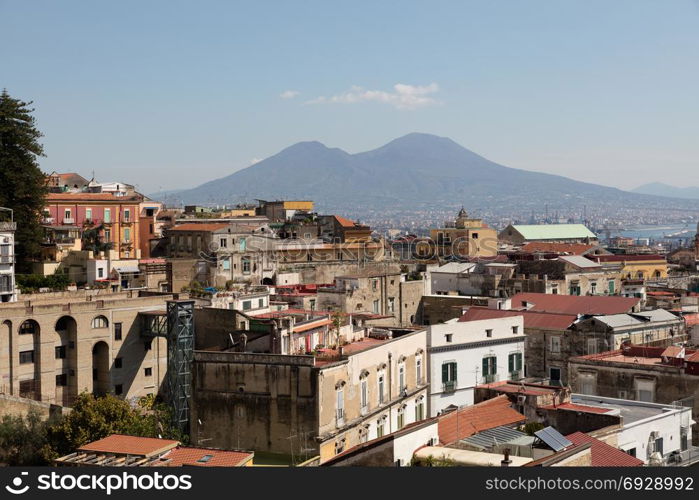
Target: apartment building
[
  {"x": 54, "y": 346},
  {"x": 309, "y": 404},
  {"x": 8, "y": 292}
]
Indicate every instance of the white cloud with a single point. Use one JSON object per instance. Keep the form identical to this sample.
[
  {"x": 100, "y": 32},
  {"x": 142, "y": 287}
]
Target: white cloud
[
  {"x": 289, "y": 94},
  {"x": 403, "y": 96}
]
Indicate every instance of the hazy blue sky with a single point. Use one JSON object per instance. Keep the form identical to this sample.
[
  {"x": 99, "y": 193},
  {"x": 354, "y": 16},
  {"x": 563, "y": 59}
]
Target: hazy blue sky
[{"x": 169, "y": 94}]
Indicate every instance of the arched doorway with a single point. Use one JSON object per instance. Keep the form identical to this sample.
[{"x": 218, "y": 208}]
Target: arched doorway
[
  {"x": 66, "y": 360},
  {"x": 29, "y": 349},
  {"x": 100, "y": 369},
  {"x": 267, "y": 281},
  {"x": 6, "y": 357}
]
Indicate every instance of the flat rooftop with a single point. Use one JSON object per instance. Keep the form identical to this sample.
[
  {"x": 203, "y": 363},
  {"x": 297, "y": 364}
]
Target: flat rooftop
[{"x": 631, "y": 411}]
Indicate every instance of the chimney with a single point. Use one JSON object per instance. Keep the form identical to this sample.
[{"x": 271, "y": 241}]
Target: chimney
[{"x": 506, "y": 462}]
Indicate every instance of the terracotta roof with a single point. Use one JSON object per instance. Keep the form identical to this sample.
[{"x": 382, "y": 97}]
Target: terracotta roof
[
  {"x": 344, "y": 222},
  {"x": 184, "y": 455},
  {"x": 488, "y": 414},
  {"x": 604, "y": 455},
  {"x": 51, "y": 197},
  {"x": 672, "y": 351},
  {"x": 574, "y": 304},
  {"x": 312, "y": 326},
  {"x": 193, "y": 226},
  {"x": 558, "y": 248},
  {"x": 540, "y": 320},
  {"x": 130, "y": 445},
  {"x": 694, "y": 358}
]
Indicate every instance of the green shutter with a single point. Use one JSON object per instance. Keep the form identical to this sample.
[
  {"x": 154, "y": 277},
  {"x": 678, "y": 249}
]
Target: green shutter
[
  {"x": 445, "y": 372},
  {"x": 519, "y": 360},
  {"x": 511, "y": 363},
  {"x": 485, "y": 366},
  {"x": 495, "y": 365},
  {"x": 453, "y": 371}
]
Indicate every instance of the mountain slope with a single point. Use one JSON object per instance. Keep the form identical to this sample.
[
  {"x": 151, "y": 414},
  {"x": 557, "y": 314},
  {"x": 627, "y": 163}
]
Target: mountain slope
[
  {"x": 660, "y": 189},
  {"x": 408, "y": 171}
]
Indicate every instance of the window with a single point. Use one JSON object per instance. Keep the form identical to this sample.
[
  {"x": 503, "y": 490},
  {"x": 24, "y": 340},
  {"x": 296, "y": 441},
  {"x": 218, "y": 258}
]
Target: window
[
  {"x": 88, "y": 213},
  {"x": 60, "y": 352},
  {"x": 107, "y": 215},
  {"x": 380, "y": 387},
  {"x": 555, "y": 375},
  {"x": 418, "y": 369},
  {"x": 645, "y": 390},
  {"x": 127, "y": 234},
  {"x": 100, "y": 272},
  {"x": 223, "y": 243},
  {"x": 148, "y": 372},
  {"x": 593, "y": 287},
  {"x": 380, "y": 427},
  {"x": 226, "y": 263},
  {"x": 374, "y": 284},
  {"x": 117, "y": 331},
  {"x": 555, "y": 344},
  {"x": 449, "y": 376},
  {"x": 631, "y": 451},
  {"x": 515, "y": 330},
  {"x": 118, "y": 362},
  {"x": 107, "y": 235},
  {"x": 419, "y": 408},
  {"x": 591, "y": 346},
  {"x": 376, "y": 307},
  {"x": 401, "y": 377},
  {"x": 489, "y": 368},
  {"x": 100, "y": 322},
  {"x": 474, "y": 236},
  {"x": 62, "y": 380},
  {"x": 610, "y": 287},
  {"x": 340, "y": 408},
  {"x": 448, "y": 337},
  {"x": 118, "y": 389},
  {"x": 588, "y": 382},
  {"x": 247, "y": 305},
  {"x": 312, "y": 304},
  {"x": 260, "y": 303},
  {"x": 147, "y": 345},
  {"x": 391, "y": 304},
  {"x": 401, "y": 417},
  {"x": 339, "y": 446},
  {"x": 574, "y": 288},
  {"x": 489, "y": 332},
  {"x": 245, "y": 264},
  {"x": 66, "y": 213},
  {"x": 127, "y": 215},
  {"x": 29, "y": 327},
  {"x": 514, "y": 365},
  {"x": 363, "y": 394},
  {"x": 26, "y": 357}
]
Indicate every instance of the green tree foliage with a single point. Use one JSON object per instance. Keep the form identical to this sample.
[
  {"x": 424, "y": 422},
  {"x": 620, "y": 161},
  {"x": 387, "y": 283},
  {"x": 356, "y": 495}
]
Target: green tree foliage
[
  {"x": 22, "y": 439},
  {"x": 23, "y": 185},
  {"x": 94, "y": 418},
  {"x": 92, "y": 239},
  {"x": 29, "y": 283}
]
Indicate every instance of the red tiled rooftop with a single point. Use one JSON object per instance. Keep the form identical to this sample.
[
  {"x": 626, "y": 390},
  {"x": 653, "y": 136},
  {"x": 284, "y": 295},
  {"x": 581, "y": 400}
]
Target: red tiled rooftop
[
  {"x": 345, "y": 222},
  {"x": 542, "y": 320},
  {"x": 130, "y": 445},
  {"x": 602, "y": 454},
  {"x": 574, "y": 304},
  {"x": 470, "y": 420},
  {"x": 184, "y": 455}
]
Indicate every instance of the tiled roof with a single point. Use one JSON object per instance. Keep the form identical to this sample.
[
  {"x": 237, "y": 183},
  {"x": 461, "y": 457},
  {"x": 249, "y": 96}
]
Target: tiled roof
[
  {"x": 184, "y": 455},
  {"x": 672, "y": 351},
  {"x": 193, "y": 226},
  {"x": 130, "y": 445},
  {"x": 574, "y": 304},
  {"x": 558, "y": 248},
  {"x": 53, "y": 197},
  {"x": 542, "y": 320},
  {"x": 579, "y": 261},
  {"x": 604, "y": 455},
  {"x": 465, "y": 422},
  {"x": 345, "y": 222}
]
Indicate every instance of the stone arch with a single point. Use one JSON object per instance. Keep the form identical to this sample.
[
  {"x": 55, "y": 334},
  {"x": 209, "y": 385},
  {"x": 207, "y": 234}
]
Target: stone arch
[
  {"x": 6, "y": 357},
  {"x": 101, "y": 378},
  {"x": 66, "y": 360}
]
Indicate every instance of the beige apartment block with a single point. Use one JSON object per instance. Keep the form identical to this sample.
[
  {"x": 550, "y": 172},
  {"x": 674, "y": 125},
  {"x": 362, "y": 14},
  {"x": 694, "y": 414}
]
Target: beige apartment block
[{"x": 54, "y": 347}]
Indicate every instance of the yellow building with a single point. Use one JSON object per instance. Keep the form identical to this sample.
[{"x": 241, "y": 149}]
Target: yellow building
[
  {"x": 469, "y": 237},
  {"x": 637, "y": 266}
]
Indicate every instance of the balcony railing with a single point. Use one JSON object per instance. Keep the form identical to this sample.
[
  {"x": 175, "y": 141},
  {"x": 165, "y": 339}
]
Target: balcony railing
[
  {"x": 490, "y": 378},
  {"x": 68, "y": 220},
  {"x": 8, "y": 226},
  {"x": 449, "y": 386},
  {"x": 515, "y": 374},
  {"x": 7, "y": 259}
]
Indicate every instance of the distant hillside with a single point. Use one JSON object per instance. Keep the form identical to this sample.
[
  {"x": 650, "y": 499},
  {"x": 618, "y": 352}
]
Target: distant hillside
[
  {"x": 660, "y": 189},
  {"x": 409, "y": 171}
]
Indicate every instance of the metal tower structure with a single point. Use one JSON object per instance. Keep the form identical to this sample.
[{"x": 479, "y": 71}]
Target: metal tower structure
[{"x": 177, "y": 326}]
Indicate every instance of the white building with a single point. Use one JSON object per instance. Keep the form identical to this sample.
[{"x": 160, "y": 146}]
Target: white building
[
  {"x": 464, "y": 354},
  {"x": 8, "y": 292},
  {"x": 452, "y": 277},
  {"x": 651, "y": 432}
]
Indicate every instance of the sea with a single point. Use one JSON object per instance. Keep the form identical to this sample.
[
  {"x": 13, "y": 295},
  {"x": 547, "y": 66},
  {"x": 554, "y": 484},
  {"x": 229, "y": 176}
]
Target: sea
[{"x": 660, "y": 232}]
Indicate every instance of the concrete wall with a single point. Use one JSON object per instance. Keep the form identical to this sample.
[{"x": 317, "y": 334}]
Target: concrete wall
[{"x": 20, "y": 407}]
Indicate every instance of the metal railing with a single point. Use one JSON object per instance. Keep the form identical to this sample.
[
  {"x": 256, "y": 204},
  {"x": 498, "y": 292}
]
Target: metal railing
[{"x": 449, "y": 386}]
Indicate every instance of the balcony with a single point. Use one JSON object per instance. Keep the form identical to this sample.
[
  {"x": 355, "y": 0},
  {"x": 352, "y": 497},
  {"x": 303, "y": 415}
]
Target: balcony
[
  {"x": 68, "y": 221},
  {"x": 490, "y": 378},
  {"x": 8, "y": 226},
  {"x": 516, "y": 375},
  {"x": 7, "y": 259},
  {"x": 449, "y": 386},
  {"x": 47, "y": 220}
]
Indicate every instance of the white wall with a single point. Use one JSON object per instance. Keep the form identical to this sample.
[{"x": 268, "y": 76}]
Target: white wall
[
  {"x": 469, "y": 345},
  {"x": 405, "y": 446}
]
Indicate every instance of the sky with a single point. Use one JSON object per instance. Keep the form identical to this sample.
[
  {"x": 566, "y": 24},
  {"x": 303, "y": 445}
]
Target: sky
[{"x": 170, "y": 94}]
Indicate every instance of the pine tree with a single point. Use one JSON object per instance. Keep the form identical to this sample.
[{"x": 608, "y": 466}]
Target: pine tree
[{"x": 23, "y": 185}]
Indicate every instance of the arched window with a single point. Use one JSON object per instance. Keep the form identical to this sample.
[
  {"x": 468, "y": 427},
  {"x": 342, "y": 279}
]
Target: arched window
[
  {"x": 29, "y": 327},
  {"x": 100, "y": 322}
]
